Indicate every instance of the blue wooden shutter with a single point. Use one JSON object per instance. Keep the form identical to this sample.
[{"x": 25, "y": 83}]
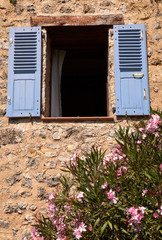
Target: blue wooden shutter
[
  {"x": 131, "y": 74},
  {"x": 24, "y": 72}
]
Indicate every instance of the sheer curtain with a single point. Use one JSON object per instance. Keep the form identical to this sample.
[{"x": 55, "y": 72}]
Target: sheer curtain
[{"x": 57, "y": 63}]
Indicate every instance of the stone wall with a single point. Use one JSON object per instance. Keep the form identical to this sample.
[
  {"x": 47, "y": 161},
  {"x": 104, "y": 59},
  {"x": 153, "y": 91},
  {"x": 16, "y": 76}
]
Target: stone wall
[{"x": 32, "y": 152}]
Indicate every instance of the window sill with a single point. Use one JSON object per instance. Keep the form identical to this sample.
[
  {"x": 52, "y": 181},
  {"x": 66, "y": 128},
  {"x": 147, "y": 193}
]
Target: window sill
[{"x": 76, "y": 119}]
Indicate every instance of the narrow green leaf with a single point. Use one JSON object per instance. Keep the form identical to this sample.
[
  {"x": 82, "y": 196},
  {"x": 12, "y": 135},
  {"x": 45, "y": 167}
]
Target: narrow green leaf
[
  {"x": 110, "y": 225},
  {"x": 104, "y": 227},
  {"x": 123, "y": 230},
  {"x": 97, "y": 221},
  {"x": 116, "y": 227}
]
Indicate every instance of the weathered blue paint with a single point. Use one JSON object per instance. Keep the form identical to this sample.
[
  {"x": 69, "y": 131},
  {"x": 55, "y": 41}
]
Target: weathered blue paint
[
  {"x": 24, "y": 72},
  {"x": 130, "y": 57}
]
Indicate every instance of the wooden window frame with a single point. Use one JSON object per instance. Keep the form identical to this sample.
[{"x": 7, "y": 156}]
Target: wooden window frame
[{"x": 71, "y": 21}]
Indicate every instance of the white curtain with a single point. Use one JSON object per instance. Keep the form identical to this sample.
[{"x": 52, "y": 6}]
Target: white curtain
[{"x": 57, "y": 63}]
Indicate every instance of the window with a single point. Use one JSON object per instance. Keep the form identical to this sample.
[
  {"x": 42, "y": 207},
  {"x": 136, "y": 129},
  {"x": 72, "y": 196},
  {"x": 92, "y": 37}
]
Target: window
[
  {"x": 81, "y": 74},
  {"x": 79, "y": 63}
]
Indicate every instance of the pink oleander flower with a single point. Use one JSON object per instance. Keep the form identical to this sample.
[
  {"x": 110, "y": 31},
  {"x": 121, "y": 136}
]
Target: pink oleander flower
[
  {"x": 111, "y": 196},
  {"x": 156, "y": 134},
  {"x": 118, "y": 147},
  {"x": 153, "y": 123},
  {"x": 104, "y": 186},
  {"x": 77, "y": 233},
  {"x": 36, "y": 235},
  {"x": 56, "y": 218},
  {"x": 113, "y": 157},
  {"x": 52, "y": 209},
  {"x": 121, "y": 170},
  {"x": 144, "y": 191},
  {"x": 74, "y": 159},
  {"x": 139, "y": 142},
  {"x": 119, "y": 173},
  {"x": 155, "y": 215},
  {"x": 135, "y": 216},
  {"x": 144, "y": 136},
  {"x": 160, "y": 210},
  {"x": 90, "y": 228},
  {"x": 67, "y": 208},
  {"x": 141, "y": 129},
  {"x": 80, "y": 196},
  {"x": 78, "y": 230},
  {"x": 92, "y": 184},
  {"x": 82, "y": 227},
  {"x": 52, "y": 196}
]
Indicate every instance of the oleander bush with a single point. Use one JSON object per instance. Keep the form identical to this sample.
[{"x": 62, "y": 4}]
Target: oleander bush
[{"x": 110, "y": 196}]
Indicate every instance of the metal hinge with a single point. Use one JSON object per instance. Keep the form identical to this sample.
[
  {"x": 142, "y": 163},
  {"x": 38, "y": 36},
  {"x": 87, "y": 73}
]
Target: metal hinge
[
  {"x": 141, "y": 34},
  {"x": 144, "y": 93},
  {"x": 9, "y": 100},
  {"x": 10, "y": 41}
]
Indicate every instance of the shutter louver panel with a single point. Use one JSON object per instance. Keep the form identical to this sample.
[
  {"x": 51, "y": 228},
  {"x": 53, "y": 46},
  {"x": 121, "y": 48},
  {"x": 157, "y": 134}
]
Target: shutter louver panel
[
  {"x": 24, "y": 72},
  {"x": 25, "y": 52},
  {"x": 130, "y": 55},
  {"x": 131, "y": 74}
]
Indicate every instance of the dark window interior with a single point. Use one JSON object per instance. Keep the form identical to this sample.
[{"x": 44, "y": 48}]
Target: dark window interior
[{"x": 84, "y": 72}]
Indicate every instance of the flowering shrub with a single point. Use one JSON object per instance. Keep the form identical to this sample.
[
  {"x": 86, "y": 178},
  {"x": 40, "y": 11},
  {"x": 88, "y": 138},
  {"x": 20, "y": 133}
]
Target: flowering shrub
[{"x": 113, "y": 196}]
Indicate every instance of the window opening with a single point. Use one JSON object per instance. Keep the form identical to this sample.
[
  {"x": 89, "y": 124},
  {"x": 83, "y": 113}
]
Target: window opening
[{"x": 83, "y": 79}]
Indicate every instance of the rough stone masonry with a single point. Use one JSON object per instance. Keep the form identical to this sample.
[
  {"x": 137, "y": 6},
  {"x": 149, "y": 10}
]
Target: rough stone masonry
[{"x": 31, "y": 153}]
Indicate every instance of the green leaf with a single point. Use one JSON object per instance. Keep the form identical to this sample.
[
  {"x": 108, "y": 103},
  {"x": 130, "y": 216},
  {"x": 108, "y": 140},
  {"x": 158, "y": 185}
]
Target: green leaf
[
  {"x": 123, "y": 230},
  {"x": 136, "y": 236},
  {"x": 116, "y": 227},
  {"x": 104, "y": 227},
  {"x": 122, "y": 208},
  {"x": 147, "y": 175},
  {"x": 110, "y": 225},
  {"x": 97, "y": 221}
]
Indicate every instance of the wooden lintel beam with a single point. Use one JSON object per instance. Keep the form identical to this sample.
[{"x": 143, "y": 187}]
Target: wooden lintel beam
[{"x": 45, "y": 21}]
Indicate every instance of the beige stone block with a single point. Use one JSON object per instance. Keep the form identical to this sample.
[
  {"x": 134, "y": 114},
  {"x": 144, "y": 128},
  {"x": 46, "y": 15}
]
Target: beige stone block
[{"x": 71, "y": 147}]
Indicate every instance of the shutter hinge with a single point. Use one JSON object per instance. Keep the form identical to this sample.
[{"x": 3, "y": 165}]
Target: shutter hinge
[
  {"x": 10, "y": 41},
  {"x": 144, "y": 93},
  {"x": 9, "y": 100},
  {"x": 141, "y": 34}
]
